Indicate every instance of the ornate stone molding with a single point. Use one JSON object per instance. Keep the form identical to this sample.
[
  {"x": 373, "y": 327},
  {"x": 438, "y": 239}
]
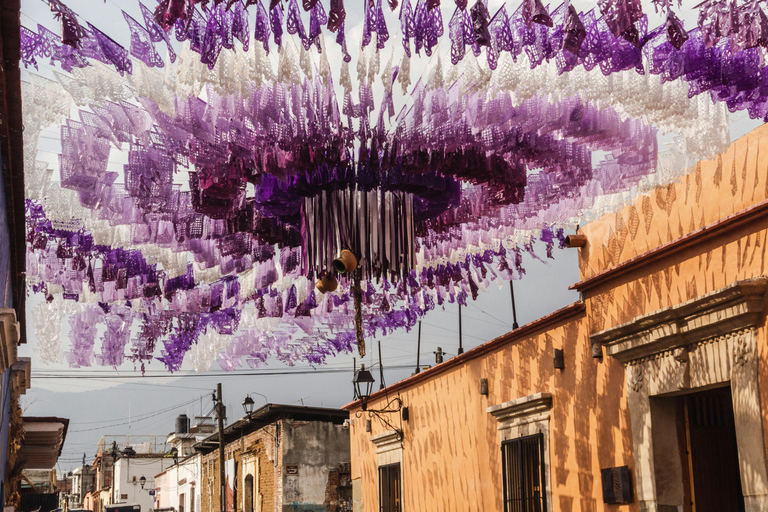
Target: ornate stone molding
[
  {"x": 706, "y": 342},
  {"x": 736, "y": 307},
  {"x": 22, "y": 374},
  {"x": 525, "y": 416},
  {"x": 387, "y": 441},
  {"x": 527, "y": 409},
  {"x": 9, "y": 332}
]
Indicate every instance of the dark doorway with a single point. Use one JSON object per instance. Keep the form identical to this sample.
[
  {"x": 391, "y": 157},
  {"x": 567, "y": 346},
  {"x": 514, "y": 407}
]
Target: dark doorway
[
  {"x": 248, "y": 494},
  {"x": 713, "y": 459}
]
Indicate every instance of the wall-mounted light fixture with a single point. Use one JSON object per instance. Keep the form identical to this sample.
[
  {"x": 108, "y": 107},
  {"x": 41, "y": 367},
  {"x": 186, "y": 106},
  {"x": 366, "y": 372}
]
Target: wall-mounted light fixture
[
  {"x": 142, "y": 481},
  {"x": 248, "y": 403},
  {"x": 363, "y": 383}
]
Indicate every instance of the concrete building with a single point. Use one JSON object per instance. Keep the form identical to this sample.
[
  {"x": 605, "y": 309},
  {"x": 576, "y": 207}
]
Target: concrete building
[
  {"x": 82, "y": 482},
  {"x": 178, "y": 487},
  {"x": 119, "y": 464},
  {"x": 279, "y": 458},
  {"x": 648, "y": 392},
  {"x": 134, "y": 477}
]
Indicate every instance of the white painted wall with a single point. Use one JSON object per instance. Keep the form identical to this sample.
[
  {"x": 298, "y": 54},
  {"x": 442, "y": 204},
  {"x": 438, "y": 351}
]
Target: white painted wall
[
  {"x": 127, "y": 475},
  {"x": 183, "y": 478}
]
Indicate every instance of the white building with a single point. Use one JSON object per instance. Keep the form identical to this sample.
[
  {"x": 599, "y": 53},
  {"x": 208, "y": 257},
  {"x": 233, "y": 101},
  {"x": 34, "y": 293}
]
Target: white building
[
  {"x": 82, "y": 483},
  {"x": 134, "y": 477},
  {"x": 178, "y": 487}
]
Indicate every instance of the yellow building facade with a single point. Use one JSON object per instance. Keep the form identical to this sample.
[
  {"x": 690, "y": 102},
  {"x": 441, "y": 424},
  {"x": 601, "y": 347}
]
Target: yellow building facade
[{"x": 658, "y": 405}]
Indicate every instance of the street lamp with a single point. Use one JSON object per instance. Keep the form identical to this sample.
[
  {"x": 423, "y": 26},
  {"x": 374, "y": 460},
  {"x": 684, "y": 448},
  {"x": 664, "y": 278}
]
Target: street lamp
[
  {"x": 142, "y": 481},
  {"x": 248, "y": 402},
  {"x": 363, "y": 382},
  {"x": 248, "y": 405}
]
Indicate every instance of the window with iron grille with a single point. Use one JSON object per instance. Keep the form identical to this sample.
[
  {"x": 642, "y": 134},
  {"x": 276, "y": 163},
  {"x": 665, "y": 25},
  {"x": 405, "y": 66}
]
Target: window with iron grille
[
  {"x": 389, "y": 488},
  {"x": 522, "y": 466}
]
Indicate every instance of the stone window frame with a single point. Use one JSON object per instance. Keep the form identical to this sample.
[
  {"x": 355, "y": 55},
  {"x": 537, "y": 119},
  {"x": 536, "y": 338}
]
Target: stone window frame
[
  {"x": 389, "y": 450},
  {"x": 706, "y": 342},
  {"x": 526, "y": 416}
]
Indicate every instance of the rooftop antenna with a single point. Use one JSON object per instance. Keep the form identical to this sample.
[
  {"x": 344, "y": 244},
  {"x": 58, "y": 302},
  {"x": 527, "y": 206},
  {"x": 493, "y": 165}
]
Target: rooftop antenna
[
  {"x": 381, "y": 368},
  {"x": 514, "y": 311},
  {"x": 354, "y": 371},
  {"x": 461, "y": 348},
  {"x": 418, "y": 349}
]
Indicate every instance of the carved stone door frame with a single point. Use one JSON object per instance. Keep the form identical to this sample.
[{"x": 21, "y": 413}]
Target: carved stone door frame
[{"x": 703, "y": 343}]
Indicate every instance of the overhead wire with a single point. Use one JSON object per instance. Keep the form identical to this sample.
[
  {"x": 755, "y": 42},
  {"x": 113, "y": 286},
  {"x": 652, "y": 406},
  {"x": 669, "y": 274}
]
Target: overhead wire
[
  {"x": 144, "y": 417},
  {"x": 151, "y": 413}
]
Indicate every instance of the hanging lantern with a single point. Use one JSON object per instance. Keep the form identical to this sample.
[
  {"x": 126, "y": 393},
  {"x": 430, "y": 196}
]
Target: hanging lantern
[
  {"x": 327, "y": 283},
  {"x": 363, "y": 383}
]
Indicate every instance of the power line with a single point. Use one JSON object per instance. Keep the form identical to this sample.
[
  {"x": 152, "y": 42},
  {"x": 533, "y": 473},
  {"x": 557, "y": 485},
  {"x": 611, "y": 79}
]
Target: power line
[
  {"x": 161, "y": 411},
  {"x": 251, "y": 373},
  {"x": 144, "y": 418},
  {"x": 490, "y": 315}
]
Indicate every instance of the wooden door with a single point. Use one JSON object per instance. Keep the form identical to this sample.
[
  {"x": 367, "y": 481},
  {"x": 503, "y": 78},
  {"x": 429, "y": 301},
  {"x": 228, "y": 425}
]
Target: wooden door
[{"x": 714, "y": 460}]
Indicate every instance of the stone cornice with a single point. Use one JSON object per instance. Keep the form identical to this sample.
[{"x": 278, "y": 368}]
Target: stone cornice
[
  {"x": 389, "y": 440},
  {"x": 521, "y": 408},
  {"x": 9, "y": 334},
  {"x": 737, "y": 306},
  {"x": 22, "y": 374}
]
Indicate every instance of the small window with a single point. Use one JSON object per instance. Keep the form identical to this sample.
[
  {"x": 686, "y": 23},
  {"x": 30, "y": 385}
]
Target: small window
[
  {"x": 389, "y": 488},
  {"x": 522, "y": 466}
]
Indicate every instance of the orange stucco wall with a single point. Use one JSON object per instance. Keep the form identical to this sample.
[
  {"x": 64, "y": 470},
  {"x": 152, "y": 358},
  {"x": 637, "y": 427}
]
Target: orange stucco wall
[
  {"x": 451, "y": 447},
  {"x": 712, "y": 191}
]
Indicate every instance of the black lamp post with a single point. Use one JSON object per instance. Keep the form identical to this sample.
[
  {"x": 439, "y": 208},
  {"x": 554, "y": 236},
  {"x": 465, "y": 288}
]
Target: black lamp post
[
  {"x": 248, "y": 404},
  {"x": 363, "y": 382},
  {"x": 142, "y": 481}
]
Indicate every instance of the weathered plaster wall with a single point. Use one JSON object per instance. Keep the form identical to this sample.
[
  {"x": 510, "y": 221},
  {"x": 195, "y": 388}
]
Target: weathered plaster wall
[
  {"x": 259, "y": 448},
  {"x": 319, "y": 449}
]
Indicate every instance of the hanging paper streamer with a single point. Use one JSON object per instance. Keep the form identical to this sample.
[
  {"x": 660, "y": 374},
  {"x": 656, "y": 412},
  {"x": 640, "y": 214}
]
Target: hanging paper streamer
[{"x": 242, "y": 184}]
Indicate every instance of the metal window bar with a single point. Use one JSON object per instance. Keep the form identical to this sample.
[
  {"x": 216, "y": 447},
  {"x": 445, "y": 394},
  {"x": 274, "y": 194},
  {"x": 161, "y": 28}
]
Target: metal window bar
[
  {"x": 522, "y": 467},
  {"x": 389, "y": 488}
]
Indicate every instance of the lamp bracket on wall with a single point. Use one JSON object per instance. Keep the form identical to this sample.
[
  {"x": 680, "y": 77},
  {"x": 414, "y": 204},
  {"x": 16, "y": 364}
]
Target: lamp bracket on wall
[{"x": 395, "y": 405}]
